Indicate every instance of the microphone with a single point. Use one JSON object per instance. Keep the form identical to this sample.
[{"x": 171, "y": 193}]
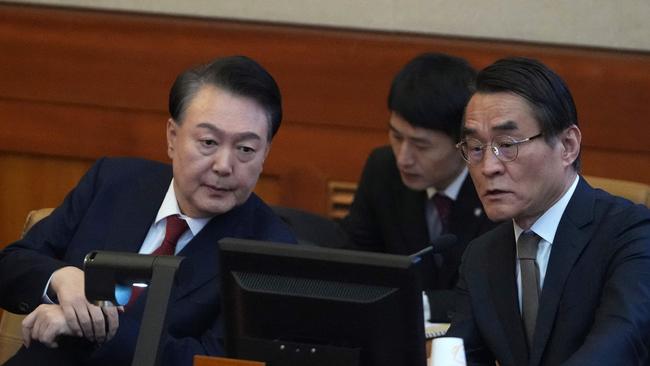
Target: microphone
[
  {"x": 437, "y": 246},
  {"x": 430, "y": 257}
]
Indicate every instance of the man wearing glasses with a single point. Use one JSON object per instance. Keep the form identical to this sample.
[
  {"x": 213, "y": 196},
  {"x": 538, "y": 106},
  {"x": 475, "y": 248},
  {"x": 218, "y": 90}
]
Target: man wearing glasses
[{"x": 566, "y": 279}]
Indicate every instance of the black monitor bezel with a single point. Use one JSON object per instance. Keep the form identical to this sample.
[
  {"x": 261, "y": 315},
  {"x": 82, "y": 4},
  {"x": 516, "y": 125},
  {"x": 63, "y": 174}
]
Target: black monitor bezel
[{"x": 321, "y": 263}]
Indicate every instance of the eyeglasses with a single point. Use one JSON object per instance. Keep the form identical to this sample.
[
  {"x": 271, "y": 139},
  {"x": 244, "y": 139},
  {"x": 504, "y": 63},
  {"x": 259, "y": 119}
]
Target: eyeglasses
[{"x": 504, "y": 147}]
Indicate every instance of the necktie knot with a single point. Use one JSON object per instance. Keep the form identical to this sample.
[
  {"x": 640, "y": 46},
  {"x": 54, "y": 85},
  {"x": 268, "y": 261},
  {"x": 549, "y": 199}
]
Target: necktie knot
[
  {"x": 527, "y": 245},
  {"x": 174, "y": 228}
]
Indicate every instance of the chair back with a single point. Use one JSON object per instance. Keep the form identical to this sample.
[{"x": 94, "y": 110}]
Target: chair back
[
  {"x": 11, "y": 336},
  {"x": 633, "y": 191},
  {"x": 310, "y": 228}
]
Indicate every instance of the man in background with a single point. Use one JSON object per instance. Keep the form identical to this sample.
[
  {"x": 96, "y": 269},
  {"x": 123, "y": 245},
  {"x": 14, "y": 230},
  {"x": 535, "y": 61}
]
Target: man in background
[
  {"x": 565, "y": 280},
  {"x": 417, "y": 189},
  {"x": 223, "y": 118}
]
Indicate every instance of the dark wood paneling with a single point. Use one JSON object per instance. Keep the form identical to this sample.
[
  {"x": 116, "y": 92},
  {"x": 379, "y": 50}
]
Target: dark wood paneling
[
  {"x": 29, "y": 182},
  {"x": 79, "y": 84},
  {"x": 331, "y": 77}
]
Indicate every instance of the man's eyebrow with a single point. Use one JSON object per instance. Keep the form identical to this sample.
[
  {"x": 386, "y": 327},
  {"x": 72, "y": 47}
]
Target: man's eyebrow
[
  {"x": 417, "y": 140},
  {"x": 237, "y": 137},
  {"x": 209, "y": 126},
  {"x": 506, "y": 126},
  {"x": 246, "y": 136}
]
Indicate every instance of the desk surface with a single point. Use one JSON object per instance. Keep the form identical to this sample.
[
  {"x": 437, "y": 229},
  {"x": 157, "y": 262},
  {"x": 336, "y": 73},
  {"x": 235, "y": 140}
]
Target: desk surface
[{"x": 434, "y": 330}]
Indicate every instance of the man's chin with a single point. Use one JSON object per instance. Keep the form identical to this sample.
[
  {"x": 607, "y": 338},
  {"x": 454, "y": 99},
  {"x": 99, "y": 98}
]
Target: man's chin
[
  {"x": 220, "y": 209},
  {"x": 213, "y": 208},
  {"x": 414, "y": 184},
  {"x": 498, "y": 213}
]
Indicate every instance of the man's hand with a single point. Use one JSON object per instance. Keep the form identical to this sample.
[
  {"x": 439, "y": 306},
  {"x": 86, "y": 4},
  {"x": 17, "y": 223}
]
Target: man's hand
[
  {"x": 83, "y": 318},
  {"x": 45, "y": 324}
]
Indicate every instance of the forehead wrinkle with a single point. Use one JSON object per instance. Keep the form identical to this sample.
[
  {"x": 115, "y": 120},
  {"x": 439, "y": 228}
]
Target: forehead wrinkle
[{"x": 508, "y": 125}]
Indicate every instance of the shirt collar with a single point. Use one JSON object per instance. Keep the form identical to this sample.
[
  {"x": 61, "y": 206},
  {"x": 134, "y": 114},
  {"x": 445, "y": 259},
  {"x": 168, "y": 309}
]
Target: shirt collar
[
  {"x": 546, "y": 225},
  {"x": 453, "y": 189},
  {"x": 169, "y": 207}
]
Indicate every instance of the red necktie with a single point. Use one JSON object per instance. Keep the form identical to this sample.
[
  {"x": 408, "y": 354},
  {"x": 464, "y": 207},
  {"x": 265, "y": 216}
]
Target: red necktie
[
  {"x": 443, "y": 206},
  {"x": 174, "y": 228}
]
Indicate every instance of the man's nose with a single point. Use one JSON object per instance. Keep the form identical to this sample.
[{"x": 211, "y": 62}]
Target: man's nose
[
  {"x": 491, "y": 165},
  {"x": 404, "y": 154},
  {"x": 222, "y": 161}
]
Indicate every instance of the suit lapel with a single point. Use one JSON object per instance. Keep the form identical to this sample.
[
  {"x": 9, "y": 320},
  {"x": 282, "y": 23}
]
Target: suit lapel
[
  {"x": 411, "y": 219},
  {"x": 571, "y": 237},
  {"x": 503, "y": 287},
  {"x": 200, "y": 260},
  {"x": 201, "y": 254},
  {"x": 131, "y": 219}
]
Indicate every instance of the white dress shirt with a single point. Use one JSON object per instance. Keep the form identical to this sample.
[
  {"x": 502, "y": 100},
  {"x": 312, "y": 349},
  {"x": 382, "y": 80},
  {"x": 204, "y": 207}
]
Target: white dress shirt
[
  {"x": 452, "y": 192},
  {"x": 434, "y": 225},
  {"x": 545, "y": 227},
  {"x": 452, "y": 189},
  {"x": 156, "y": 232}
]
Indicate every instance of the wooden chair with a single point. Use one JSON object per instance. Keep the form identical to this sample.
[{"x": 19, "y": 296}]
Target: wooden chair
[
  {"x": 633, "y": 191},
  {"x": 10, "y": 324}
]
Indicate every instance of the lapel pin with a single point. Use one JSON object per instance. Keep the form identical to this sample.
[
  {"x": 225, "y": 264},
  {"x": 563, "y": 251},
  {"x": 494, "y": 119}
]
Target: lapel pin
[{"x": 477, "y": 212}]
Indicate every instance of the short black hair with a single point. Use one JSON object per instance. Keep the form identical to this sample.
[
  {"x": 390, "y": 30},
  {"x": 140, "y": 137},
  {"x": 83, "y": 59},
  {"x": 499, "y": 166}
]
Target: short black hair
[
  {"x": 239, "y": 75},
  {"x": 431, "y": 92},
  {"x": 544, "y": 90}
]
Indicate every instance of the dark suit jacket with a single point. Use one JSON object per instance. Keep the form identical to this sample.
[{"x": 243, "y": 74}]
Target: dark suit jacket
[
  {"x": 112, "y": 208},
  {"x": 386, "y": 216},
  {"x": 595, "y": 303}
]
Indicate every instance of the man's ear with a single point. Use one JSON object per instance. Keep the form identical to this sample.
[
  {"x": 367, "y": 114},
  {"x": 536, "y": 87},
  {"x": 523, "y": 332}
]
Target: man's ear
[
  {"x": 172, "y": 132},
  {"x": 570, "y": 140}
]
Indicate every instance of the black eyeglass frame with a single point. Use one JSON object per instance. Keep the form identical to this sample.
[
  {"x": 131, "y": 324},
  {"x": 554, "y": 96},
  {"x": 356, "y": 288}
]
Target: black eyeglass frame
[{"x": 462, "y": 147}]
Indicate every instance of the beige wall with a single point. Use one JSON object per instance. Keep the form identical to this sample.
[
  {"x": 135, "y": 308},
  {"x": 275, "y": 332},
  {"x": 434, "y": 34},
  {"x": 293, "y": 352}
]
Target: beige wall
[{"x": 619, "y": 24}]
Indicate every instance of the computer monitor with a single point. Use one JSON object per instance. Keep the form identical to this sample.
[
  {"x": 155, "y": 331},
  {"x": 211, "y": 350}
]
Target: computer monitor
[{"x": 313, "y": 306}]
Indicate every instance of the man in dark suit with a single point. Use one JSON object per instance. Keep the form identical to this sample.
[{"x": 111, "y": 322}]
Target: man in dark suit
[
  {"x": 565, "y": 280},
  {"x": 223, "y": 117},
  {"x": 394, "y": 208}
]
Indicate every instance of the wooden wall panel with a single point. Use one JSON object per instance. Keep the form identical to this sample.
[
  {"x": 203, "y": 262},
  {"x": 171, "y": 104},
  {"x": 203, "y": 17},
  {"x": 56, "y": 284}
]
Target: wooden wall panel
[
  {"x": 80, "y": 130},
  {"x": 33, "y": 181},
  {"x": 79, "y": 84}
]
